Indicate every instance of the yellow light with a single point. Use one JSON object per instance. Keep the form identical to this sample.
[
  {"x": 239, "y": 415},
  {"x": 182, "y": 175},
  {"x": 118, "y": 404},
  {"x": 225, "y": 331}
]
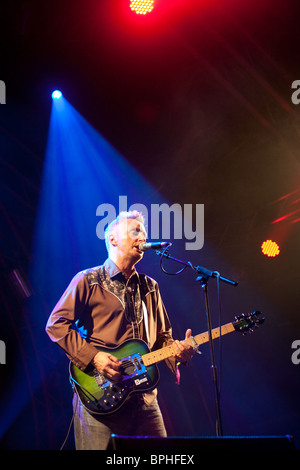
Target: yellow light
[
  {"x": 141, "y": 7},
  {"x": 270, "y": 248}
]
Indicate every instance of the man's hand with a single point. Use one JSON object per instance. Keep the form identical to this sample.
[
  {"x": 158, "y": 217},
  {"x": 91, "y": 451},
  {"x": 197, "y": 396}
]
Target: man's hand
[
  {"x": 184, "y": 350},
  {"x": 108, "y": 365}
]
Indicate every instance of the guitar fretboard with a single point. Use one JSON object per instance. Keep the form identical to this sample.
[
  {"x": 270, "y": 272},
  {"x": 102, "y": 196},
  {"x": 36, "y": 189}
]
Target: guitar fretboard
[{"x": 168, "y": 351}]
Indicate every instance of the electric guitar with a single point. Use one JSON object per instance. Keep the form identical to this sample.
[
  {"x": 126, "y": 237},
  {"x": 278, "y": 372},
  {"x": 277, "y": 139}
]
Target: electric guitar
[{"x": 138, "y": 366}]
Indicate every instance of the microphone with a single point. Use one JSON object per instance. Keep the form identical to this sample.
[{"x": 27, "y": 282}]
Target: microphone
[{"x": 153, "y": 246}]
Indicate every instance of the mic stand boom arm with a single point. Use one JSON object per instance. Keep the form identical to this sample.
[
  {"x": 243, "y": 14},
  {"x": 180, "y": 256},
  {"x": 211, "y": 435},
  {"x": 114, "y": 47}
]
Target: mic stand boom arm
[{"x": 205, "y": 274}]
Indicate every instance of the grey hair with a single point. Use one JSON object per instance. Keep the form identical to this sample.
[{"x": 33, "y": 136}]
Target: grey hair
[{"x": 123, "y": 215}]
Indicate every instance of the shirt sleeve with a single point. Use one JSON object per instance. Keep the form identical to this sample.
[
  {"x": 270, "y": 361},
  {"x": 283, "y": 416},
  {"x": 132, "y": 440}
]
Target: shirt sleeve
[{"x": 60, "y": 323}]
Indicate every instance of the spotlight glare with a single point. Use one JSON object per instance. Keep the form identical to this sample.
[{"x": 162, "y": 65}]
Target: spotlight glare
[
  {"x": 270, "y": 248},
  {"x": 56, "y": 95},
  {"x": 141, "y": 7}
]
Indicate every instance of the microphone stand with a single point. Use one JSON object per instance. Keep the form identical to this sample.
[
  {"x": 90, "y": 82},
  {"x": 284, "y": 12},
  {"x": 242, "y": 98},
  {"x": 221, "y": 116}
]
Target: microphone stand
[{"x": 204, "y": 275}]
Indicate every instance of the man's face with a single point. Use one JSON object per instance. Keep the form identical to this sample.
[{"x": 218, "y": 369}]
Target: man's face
[{"x": 128, "y": 235}]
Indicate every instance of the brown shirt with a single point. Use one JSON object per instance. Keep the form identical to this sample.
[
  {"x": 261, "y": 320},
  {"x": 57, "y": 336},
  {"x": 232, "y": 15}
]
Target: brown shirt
[{"x": 100, "y": 307}]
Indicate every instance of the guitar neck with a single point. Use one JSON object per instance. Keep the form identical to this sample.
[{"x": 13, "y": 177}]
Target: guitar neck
[{"x": 169, "y": 351}]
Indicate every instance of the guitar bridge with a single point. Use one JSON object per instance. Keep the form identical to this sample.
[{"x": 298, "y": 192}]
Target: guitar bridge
[{"x": 100, "y": 379}]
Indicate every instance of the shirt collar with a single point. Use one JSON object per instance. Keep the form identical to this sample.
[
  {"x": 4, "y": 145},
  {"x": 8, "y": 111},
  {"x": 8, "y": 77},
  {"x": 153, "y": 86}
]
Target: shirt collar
[{"x": 113, "y": 269}]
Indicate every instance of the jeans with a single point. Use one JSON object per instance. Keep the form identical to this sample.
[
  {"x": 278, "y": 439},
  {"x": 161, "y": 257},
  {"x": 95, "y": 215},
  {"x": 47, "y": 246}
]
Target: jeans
[{"x": 135, "y": 418}]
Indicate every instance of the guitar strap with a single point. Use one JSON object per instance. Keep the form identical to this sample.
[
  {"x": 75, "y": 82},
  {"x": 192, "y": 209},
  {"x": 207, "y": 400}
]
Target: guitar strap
[
  {"x": 145, "y": 315},
  {"x": 145, "y": 288}
]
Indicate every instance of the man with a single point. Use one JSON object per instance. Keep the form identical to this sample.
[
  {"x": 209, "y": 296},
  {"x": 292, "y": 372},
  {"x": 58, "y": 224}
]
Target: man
[{"x": 104, "y": 306}]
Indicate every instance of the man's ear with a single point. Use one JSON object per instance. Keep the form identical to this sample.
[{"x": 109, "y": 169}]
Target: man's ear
[{"x": 113, "y": 239}]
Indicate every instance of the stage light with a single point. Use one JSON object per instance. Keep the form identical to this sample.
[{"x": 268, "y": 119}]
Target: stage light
[
  {"x": 56, "y": 95},
  {"x": 270, "y": 248},
  {"x": 141, "y": 7}
]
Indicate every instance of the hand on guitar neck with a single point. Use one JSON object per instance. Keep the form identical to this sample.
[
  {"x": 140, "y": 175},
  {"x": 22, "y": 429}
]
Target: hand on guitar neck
[{"x": 184, "y": 350}]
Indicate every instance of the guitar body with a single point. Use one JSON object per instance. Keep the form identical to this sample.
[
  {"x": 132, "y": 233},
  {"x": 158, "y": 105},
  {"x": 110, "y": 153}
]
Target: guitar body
[{"x": 102, "y": 397}]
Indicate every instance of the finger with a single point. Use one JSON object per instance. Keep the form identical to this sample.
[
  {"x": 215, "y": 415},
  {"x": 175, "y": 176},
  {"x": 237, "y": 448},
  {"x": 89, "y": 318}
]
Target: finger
[
  {"x": 188, "y": 334},
  {"x": 114, "y": 359},
  {"x": 112, "y": 379},
  {"x": 114, "y": 376},
  {"x": 178, "y": 346},
  {"x": 111, "y": 370}
]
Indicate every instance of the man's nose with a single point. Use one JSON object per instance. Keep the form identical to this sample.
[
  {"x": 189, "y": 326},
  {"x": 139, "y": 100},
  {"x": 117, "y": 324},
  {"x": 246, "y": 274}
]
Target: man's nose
[{"x": 141, "y": 237}]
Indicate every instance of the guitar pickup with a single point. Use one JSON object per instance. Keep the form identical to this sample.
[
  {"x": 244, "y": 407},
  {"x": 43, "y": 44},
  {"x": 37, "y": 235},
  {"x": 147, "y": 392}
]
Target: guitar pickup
[
  {"x": 137, "y": 363},
  {"x": 132, "y": 366}
]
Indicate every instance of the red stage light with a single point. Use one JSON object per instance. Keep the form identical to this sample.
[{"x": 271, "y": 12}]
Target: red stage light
[
  {"x": 270, "y": 248},
  {"x": 141, "y": 7}
]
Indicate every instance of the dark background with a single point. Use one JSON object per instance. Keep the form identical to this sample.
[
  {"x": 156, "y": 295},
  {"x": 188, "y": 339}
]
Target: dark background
[{"x": 197, "y": 97}]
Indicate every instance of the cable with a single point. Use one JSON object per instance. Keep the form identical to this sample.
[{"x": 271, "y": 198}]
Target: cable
[
  {"x": 164, "y": 253},
  {"x": 71, "y": 423}
]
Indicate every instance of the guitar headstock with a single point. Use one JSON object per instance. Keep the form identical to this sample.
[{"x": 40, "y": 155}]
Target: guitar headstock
[{"x": 246, "y": 322}]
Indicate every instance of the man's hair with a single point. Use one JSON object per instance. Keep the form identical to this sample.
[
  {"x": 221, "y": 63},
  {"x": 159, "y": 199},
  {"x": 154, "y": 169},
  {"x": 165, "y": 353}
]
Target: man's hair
[{"x": 123, "y": 215}]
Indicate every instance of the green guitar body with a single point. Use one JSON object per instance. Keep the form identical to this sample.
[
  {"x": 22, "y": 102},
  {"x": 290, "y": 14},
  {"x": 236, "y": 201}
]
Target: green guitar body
[{"x": 102, "y": 397}]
